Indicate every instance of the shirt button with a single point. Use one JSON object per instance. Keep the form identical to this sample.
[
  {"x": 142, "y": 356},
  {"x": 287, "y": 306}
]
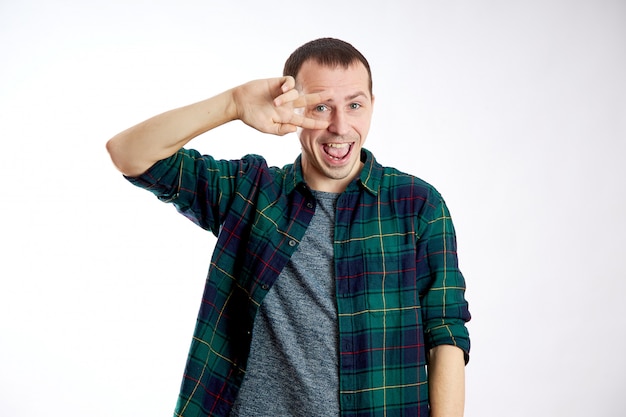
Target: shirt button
[
  {"x": 309, "y": 205},
  {"x": 265, "y": 287},
  {"x": 292, "y": 243}
]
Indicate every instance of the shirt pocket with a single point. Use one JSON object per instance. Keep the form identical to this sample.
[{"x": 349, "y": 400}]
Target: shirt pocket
[{"x": 389, "y": 271}]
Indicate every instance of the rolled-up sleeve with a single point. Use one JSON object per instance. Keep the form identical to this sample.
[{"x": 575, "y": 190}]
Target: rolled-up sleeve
[
  {"x": 445, "y": 309},
  {"x": 199, "y": 186}
]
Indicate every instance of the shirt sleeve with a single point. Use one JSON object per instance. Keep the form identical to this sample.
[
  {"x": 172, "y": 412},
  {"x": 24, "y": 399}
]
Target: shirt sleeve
[
  {"x": 199, "y": 186},
  {"x": 445, "y": 310}
]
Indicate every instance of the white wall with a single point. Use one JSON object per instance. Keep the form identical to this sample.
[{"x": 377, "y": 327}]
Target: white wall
[{"x": 515, "y": 111}]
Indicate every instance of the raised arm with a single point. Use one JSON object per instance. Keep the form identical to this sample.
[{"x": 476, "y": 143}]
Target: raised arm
[{"x": 266, "y": 105}]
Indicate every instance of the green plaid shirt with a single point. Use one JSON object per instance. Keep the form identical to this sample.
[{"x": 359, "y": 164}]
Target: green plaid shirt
[{"x": 399, "y": 289}]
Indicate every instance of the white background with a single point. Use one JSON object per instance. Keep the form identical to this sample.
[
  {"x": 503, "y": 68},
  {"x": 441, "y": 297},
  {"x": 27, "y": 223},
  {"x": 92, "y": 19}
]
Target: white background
[{"x": 515, "y": 111}]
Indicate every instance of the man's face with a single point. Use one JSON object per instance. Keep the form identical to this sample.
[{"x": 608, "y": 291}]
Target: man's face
[{"x": 331, "y": 157}]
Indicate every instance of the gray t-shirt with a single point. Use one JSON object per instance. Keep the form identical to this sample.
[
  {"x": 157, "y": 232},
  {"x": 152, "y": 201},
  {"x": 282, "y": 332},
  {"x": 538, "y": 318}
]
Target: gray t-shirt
[{"x": 293, "y": 364}]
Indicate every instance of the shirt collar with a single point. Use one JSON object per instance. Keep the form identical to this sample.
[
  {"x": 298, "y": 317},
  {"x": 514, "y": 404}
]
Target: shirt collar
[{"x": 369, "y": 179}]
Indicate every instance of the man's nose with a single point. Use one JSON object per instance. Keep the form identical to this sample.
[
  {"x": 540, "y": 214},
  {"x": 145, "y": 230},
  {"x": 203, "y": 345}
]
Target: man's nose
[{"x": 339, "y": 123}]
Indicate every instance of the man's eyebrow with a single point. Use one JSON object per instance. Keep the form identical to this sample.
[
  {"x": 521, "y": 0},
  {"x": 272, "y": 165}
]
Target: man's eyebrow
[
  {"x": 351, "y": 96},
  {"x": 355, "y": 95}
]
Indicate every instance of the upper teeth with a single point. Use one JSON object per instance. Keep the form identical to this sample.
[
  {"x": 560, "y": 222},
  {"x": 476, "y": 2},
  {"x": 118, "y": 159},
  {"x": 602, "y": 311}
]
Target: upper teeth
[{"x": 337, "y": 145}]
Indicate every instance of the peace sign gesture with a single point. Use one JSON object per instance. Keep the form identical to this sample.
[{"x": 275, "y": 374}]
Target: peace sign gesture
[{"x": 271, "y": 106}]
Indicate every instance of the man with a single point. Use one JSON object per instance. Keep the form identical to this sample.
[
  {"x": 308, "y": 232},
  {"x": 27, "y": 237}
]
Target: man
[{"x": 334, "y": 285}]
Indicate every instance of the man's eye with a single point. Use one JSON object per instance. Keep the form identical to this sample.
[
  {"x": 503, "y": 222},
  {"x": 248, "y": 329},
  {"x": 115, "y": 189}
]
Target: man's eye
[
  {"x": 355, "y": 106},
  {"x": 320, "y": 108}
]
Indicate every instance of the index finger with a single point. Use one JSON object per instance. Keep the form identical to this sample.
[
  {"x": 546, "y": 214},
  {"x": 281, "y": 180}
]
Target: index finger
[
  {"x": 310, "y": 99},
  {"x": 299, "y": 100}
]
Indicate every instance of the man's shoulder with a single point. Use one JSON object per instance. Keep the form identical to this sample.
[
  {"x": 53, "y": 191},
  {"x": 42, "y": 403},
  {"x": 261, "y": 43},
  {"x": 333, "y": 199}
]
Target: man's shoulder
[
  {"x": 255, "y": 163},
  {"x": 399, "y": 181}
]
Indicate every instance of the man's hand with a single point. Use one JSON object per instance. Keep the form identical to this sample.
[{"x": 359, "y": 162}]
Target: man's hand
[{"x": 270, "y": 106}]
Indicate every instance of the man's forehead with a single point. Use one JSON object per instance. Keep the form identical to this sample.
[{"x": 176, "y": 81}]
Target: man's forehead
[
  {"x": 346, "y": 82},
  {"x": 311, "y": 64}
]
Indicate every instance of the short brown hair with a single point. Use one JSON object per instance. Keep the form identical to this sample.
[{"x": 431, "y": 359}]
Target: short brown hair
[{"x": 328, "y": 52}]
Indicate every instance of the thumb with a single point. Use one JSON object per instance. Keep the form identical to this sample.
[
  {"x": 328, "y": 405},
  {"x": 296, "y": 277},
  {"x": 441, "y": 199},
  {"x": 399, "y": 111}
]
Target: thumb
[{"x": 285, "y": 128}]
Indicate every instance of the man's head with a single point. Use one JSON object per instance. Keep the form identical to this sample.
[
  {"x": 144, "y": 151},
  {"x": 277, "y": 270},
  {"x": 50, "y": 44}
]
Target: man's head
[
  {"x": 331, "y": 157},
  {"x": 327, "y": 52}
]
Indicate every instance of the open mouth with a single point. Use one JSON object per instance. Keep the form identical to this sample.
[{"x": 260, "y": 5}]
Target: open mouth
[{"x": 338, "y": 151}]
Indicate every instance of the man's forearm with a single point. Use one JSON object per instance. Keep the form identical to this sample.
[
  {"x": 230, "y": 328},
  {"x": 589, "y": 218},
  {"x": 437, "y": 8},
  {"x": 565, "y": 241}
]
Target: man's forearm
[
  {"x": 135, "y": 150},
  {"x": 266, "y": 105},
  {"x": 446, "y": 379}
]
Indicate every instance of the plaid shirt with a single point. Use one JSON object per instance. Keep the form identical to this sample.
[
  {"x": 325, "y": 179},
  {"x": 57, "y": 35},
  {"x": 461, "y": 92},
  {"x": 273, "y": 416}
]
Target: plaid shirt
[{"x": 399, "y": 289}]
